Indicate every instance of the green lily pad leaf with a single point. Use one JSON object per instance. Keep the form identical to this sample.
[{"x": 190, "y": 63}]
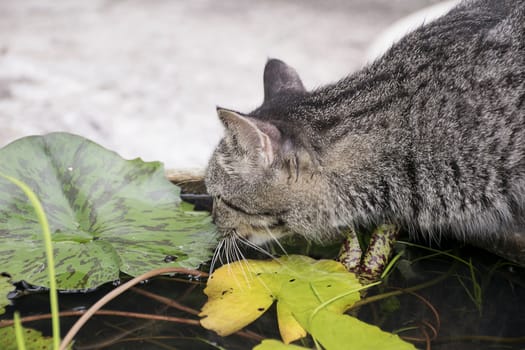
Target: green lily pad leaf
[
  {"x": 5, "y": 288},
  {"x": 272, "y": 344},
  {"x": 34, "y": 340},
  {"x": 311, "y": 297},
  {"x": 106, "y": 214}
]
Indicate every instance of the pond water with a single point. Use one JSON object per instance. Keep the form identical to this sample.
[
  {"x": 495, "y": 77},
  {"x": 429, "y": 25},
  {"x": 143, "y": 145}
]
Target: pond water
[{"x": 440, "y": 304}]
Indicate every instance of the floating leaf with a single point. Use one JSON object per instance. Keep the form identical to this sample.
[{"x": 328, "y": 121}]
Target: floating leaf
[
  {"x": 106, "y": 214},
  {"x": 311, "y": 297},
  {"x": 34, "y": 340},
  {"x": 5, "y": 288}
]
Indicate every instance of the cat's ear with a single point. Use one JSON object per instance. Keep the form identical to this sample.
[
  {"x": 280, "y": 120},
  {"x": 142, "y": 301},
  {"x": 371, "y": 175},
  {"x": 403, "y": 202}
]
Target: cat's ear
[
  {"x": 257, "y": 138},
  {"x": 280, "y": 78}
]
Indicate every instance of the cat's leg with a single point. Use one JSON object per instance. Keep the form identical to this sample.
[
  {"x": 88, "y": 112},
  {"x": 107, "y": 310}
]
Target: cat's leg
[
  {"x": 351, "y": 253},
  {"x": 378, "y": 253}
]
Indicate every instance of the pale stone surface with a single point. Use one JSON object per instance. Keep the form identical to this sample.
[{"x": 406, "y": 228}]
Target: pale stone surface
[{"x": 143, "y": 77}]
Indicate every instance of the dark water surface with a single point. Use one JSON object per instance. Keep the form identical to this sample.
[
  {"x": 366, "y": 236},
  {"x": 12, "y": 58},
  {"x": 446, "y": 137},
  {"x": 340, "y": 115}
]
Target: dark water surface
[{"x": 462, "y": 307}]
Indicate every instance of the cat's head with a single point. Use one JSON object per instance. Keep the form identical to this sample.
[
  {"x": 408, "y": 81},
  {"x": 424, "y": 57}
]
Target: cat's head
[{"x": 259, "y": 177}]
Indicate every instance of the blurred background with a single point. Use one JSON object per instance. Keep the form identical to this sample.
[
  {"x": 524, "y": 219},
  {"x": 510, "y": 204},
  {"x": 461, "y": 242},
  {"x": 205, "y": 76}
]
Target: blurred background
[{"x": 143, "y": 77}]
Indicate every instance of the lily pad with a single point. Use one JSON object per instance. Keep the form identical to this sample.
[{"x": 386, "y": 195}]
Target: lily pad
[
  {"x": 107, "y": 215},
  {"x": 34, "y": 340},
  {"x": 311, "y": 297}
]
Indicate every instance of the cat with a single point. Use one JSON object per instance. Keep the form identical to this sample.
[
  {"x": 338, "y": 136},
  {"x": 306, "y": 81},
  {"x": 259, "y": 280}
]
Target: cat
[{"x": 429, "y": 137}]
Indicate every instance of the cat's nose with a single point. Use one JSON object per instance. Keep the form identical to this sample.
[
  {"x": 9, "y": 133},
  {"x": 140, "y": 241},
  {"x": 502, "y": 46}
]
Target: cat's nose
[{"x": 221, "y": 216}]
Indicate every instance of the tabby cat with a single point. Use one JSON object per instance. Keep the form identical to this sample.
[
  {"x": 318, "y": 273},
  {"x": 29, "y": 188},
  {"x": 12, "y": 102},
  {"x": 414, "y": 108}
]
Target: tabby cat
[{"x": 429, "y": 137}]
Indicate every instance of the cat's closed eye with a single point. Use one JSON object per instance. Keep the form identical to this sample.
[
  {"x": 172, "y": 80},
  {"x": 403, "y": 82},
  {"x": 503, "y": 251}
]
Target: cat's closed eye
[{"x": 235, "y": 207}]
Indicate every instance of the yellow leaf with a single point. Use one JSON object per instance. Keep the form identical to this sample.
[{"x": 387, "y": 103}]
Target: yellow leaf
[
  {"x": 289, "y": 328},
  {"x": 311, "y": 297},
  {"x": 235, "y": 299},
  {"x": 240, "y": 292}
]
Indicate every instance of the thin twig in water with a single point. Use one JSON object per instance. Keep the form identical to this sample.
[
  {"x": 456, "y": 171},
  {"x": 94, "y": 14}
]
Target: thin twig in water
[
  {"x": 245, "y": 334},
  {"x": 119, "y": 290},
  {"x": 5, "y": 323},
  {"x": 167, "y": 301}
]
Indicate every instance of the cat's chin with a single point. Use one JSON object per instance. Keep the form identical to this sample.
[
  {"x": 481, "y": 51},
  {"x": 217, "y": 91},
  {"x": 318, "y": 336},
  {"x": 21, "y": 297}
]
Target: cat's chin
[{"x": 260, "y": 236}]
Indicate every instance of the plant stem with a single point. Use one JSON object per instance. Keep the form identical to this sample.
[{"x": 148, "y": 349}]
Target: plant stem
[
  {"x": 116, "y": 292},
  {"x": 44, "y": 225},
  {"x": 19, "y": 332}
]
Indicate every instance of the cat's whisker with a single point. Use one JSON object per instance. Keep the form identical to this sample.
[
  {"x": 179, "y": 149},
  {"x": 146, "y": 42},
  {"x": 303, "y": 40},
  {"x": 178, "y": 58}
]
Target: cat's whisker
[
  {"x": 256, "y": 247},
  {"x": 238, "y": 252},
  {"x": 230, "y": 257},
  {"x": 249, "y": 267},
  {"x": 244, "y": 265},
  {"x": 235, "y": 255},
  {"x": 216, "y": 254},
  {"x": 243, "y": 259},
  {"x": 223, "y": 253},
  {"x": 227, "y": 251},
  {"x": 276, "y": 240}
]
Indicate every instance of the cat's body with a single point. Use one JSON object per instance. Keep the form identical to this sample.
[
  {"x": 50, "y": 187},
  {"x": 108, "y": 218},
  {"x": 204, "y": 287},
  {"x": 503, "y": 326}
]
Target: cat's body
[{"x": 430, "y": 137}]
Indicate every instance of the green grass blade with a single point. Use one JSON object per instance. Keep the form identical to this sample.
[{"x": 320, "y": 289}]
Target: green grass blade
[
  {"x": 42, "y": 219},
  {"x": 19, "y": 332}
]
